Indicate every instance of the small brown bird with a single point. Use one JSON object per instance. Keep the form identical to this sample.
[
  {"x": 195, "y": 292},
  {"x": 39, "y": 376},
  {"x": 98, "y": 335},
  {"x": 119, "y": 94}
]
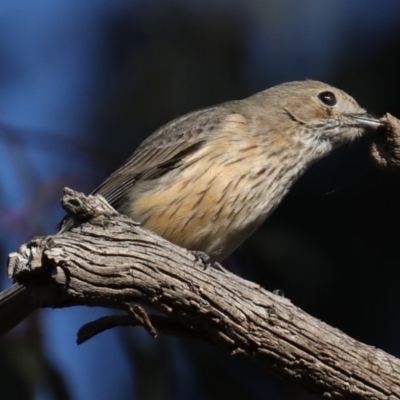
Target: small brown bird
[{"x": 207, "y": 180}]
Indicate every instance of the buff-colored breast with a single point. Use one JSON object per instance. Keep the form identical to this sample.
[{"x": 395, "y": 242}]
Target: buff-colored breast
[{"x": 206, "y": 206}]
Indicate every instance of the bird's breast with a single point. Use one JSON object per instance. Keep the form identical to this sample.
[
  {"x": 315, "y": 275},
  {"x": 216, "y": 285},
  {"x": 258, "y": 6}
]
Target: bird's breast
[{"x": 219, "y": 196}]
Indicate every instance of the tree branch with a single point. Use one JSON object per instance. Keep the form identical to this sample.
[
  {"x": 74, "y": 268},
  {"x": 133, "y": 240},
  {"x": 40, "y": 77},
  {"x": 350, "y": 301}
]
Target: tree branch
[{"x": 110, "y": 261}]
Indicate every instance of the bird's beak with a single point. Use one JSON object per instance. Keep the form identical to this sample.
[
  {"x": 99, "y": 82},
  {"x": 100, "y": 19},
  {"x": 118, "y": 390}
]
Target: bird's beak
[{"x": 367, "y": 121}]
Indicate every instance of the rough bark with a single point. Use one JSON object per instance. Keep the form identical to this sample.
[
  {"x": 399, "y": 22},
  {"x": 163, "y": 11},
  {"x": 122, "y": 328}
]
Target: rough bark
[{"x": 111, "y": 261}]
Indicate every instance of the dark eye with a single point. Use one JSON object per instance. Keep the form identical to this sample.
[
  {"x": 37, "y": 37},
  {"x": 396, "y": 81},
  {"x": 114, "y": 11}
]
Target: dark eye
[{"x": 328, "y": 98}]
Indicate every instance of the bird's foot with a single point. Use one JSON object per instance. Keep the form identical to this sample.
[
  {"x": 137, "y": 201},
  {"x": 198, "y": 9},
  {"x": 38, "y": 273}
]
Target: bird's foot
[{"x": 206, "y": 260}]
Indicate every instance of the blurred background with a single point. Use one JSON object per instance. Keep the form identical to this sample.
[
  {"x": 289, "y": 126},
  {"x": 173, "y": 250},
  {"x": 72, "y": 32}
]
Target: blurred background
[{"x": 82, "y": 83}]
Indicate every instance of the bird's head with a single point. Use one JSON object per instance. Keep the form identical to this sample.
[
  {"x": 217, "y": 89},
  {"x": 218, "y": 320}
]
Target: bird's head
[{"x": 317, "y": 115}]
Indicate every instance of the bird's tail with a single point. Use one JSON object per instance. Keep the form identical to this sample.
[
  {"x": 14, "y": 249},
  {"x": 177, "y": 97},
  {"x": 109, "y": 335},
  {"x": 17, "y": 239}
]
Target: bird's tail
[{"x": 16, "y": 303}]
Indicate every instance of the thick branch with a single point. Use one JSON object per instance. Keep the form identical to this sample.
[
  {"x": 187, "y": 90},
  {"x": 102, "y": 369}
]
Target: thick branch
[{"x": 110, "y": 261}]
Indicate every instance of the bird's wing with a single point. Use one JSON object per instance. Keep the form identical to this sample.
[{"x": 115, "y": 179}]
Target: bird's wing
[{"x": 161, "y": 152}]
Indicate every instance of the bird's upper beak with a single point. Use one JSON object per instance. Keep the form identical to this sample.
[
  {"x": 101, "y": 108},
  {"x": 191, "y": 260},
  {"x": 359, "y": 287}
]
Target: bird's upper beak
[{"x": 367, "y": 121}]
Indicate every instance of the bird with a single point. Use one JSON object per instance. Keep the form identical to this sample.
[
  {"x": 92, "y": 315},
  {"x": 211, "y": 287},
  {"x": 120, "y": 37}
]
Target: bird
[{"x": 208, "y": 179}]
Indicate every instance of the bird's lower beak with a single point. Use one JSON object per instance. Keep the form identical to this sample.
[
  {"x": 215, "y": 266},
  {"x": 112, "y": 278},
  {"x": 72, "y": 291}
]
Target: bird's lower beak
[{"x": 366, "y": 121}]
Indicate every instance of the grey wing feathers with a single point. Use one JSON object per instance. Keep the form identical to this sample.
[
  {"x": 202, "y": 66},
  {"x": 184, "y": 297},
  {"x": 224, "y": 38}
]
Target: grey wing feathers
[{"x": 163, "y": 146}]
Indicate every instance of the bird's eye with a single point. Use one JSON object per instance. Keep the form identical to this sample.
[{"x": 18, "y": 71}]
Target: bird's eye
[{"x": 328, "y": 98}]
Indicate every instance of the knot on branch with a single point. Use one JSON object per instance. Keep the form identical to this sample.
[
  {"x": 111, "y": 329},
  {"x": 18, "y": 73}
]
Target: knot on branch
[
  {"x": 31, "y": 266},
  {"x": 85, "y": 208},
  {"x": 27, "y": 259}
]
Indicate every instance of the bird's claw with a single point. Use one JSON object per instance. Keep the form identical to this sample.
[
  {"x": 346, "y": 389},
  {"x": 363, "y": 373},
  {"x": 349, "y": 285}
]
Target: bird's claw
[{"x": 207, "y": 262}]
